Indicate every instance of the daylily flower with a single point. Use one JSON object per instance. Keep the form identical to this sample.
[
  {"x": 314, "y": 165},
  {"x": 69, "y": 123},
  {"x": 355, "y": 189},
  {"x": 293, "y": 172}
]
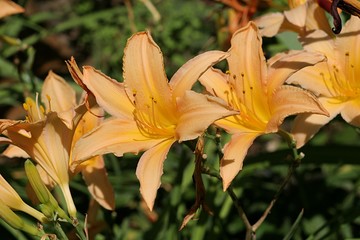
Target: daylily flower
[
  {"x": 335, "y": 82},
  {"x": 256, "y": 89},
  {"x": 48, "y": 135},
  {"x": 303, "y": 17},
  {"x": 149, "y": 113},
  {"x": 8, "y": 7},
  {"x": 11, "y": 198}
]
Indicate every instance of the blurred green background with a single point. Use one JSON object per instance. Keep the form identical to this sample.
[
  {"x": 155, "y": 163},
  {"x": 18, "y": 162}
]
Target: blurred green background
[{"x": 326, "y": 186}]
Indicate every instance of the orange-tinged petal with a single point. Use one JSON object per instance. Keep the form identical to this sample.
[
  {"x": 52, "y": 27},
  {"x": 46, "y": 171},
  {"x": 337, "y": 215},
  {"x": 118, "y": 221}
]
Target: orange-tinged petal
[
  {"x": 8, "y": 7},
  {"x": 348, "y": 46},
  {"x": 315, "y": 78},
  {"x": 13, "y": 151},
  {"x": 234, "y": 154},
  {"x": 283, "y": 65},
  {"x": 316, "y": 18},
  {"x": 297, "y": 16},
  {"x": 150, "y": 169},
  {"x": 289, "y": 100},
  {"x": 144, "y": 74},
  {"x": 190, "y": 72},
  {"x": 197, "y": 112},
  {"x": 248, "y": 68},
  {"x": 88, "y": 122},
  {"x": 109, "y": 93},
  {"x": 270, "y": 24},
  {"x": 58, "y": 96},
  {"x": 351, "y": 112},
  {"x": 307, "y": 125},
  {"x": 319, "y": 41},
  {"x": 96, "y": 179},
  {"x": 114, "y": 135},
  {"x": 45, "y": 145},
  {"x": 215, "y": 83}
]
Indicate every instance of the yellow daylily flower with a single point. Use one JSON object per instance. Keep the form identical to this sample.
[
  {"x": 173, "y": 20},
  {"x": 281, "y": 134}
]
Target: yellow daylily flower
[
  {"x": 256, "y": 89},
  {"x": 149, "y": 113},
  {"x": 303, "y": 17},
  {"x": 8, "y": 7},
  {"x": 11, "y": 198},
  {"x": 335, "y": 81},
  {"x": 48, "y": 135}
]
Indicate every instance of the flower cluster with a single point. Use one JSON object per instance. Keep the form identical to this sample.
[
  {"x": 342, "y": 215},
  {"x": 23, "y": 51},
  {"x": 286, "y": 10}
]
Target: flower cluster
[{"x": 149, "y": 113}]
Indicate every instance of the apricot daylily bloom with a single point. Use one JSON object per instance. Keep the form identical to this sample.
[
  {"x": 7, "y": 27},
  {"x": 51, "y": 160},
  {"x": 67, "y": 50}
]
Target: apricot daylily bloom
[
  {"x": 149, "y": 113},
  {"x": 335, "y": 81},
  {"x": 303, "y": 16},
  {"x": 47, "y": 137},
  {"x": 12, "y": 199},
  {"x": 256, "y": 89},
  {"x": 8, "y": 7}
]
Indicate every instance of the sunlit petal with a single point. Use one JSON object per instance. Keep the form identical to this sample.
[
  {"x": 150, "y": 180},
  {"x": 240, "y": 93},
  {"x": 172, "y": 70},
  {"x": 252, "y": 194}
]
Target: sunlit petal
[
  {"x": 247, "y": 68},
  {"x": 215, "y": 83},
  {"x": 109, "y": 93},
  {"x": 351, "y": 112},
  {"x": 8, "y": 7},
  {"x": 95, "y": 176},
  {"x": 348, "y": 46},
  {"x": 283, "y": 65},
  {"x": 307, "y": 125},
  {"x": 144, "y": 73},
  {"x": 13, "y": 151},
  {"x": 197, "y": 112},
  {"x": 319, "y": 41},
  {"x": 234, "y": 154},
  {"x": 150, "y": 169},
  {"x": 190, "y": 72},
  {"x": 270, "y": 24},
  {"x": 297, "y": 16},
  {"x": 315, "y": 78},
  {"x": 289, "y": 100},
  {"x": 58, "y": 96},
  {"x": 116, "y": 136}
]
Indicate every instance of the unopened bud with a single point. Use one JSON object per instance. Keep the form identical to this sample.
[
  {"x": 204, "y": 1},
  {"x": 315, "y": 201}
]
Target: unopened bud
[{"x": 16, "y": 222}]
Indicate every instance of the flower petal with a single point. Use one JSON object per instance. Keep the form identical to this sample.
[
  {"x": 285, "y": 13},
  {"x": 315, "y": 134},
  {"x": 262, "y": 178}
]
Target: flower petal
[
  {"x": 248, "y": 69},
  {"x": 314, "y": 78},
  {"x": 197, "y": 112},
  {"x": 189, "y": 73},
  {"x": 14, "y": 151},
  {"x": 270, "y": 24},
  {"x": 297, "y": 16},
  {"x": 289, "y": 100},
  {"x": 96, "y": 179},
  {"x": 319, "y": 41},
  {"x": 109, "y": 93},
  {"x": 347, "y": 44},
  {"x": 58, "y": 96},
  {"x": 234, "y": 154},
  {"x": 283, "y": 65},
  {"x": 150, "y": 169},
  {"x": 316, "y": 18},
  {"x": 8, "y": 7},
  {"x": 351, "y": 112},
  {"x": 215, "y": 83},
  {"x": 114, "y": 135},
  {"x": 307, "y": 125},
  {"x": 144, "y": 73}
]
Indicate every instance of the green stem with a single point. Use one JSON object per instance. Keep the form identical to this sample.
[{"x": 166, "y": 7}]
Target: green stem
[
  {"x": 80, "y": 230},
  {"x": 60, "y": 232}
]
